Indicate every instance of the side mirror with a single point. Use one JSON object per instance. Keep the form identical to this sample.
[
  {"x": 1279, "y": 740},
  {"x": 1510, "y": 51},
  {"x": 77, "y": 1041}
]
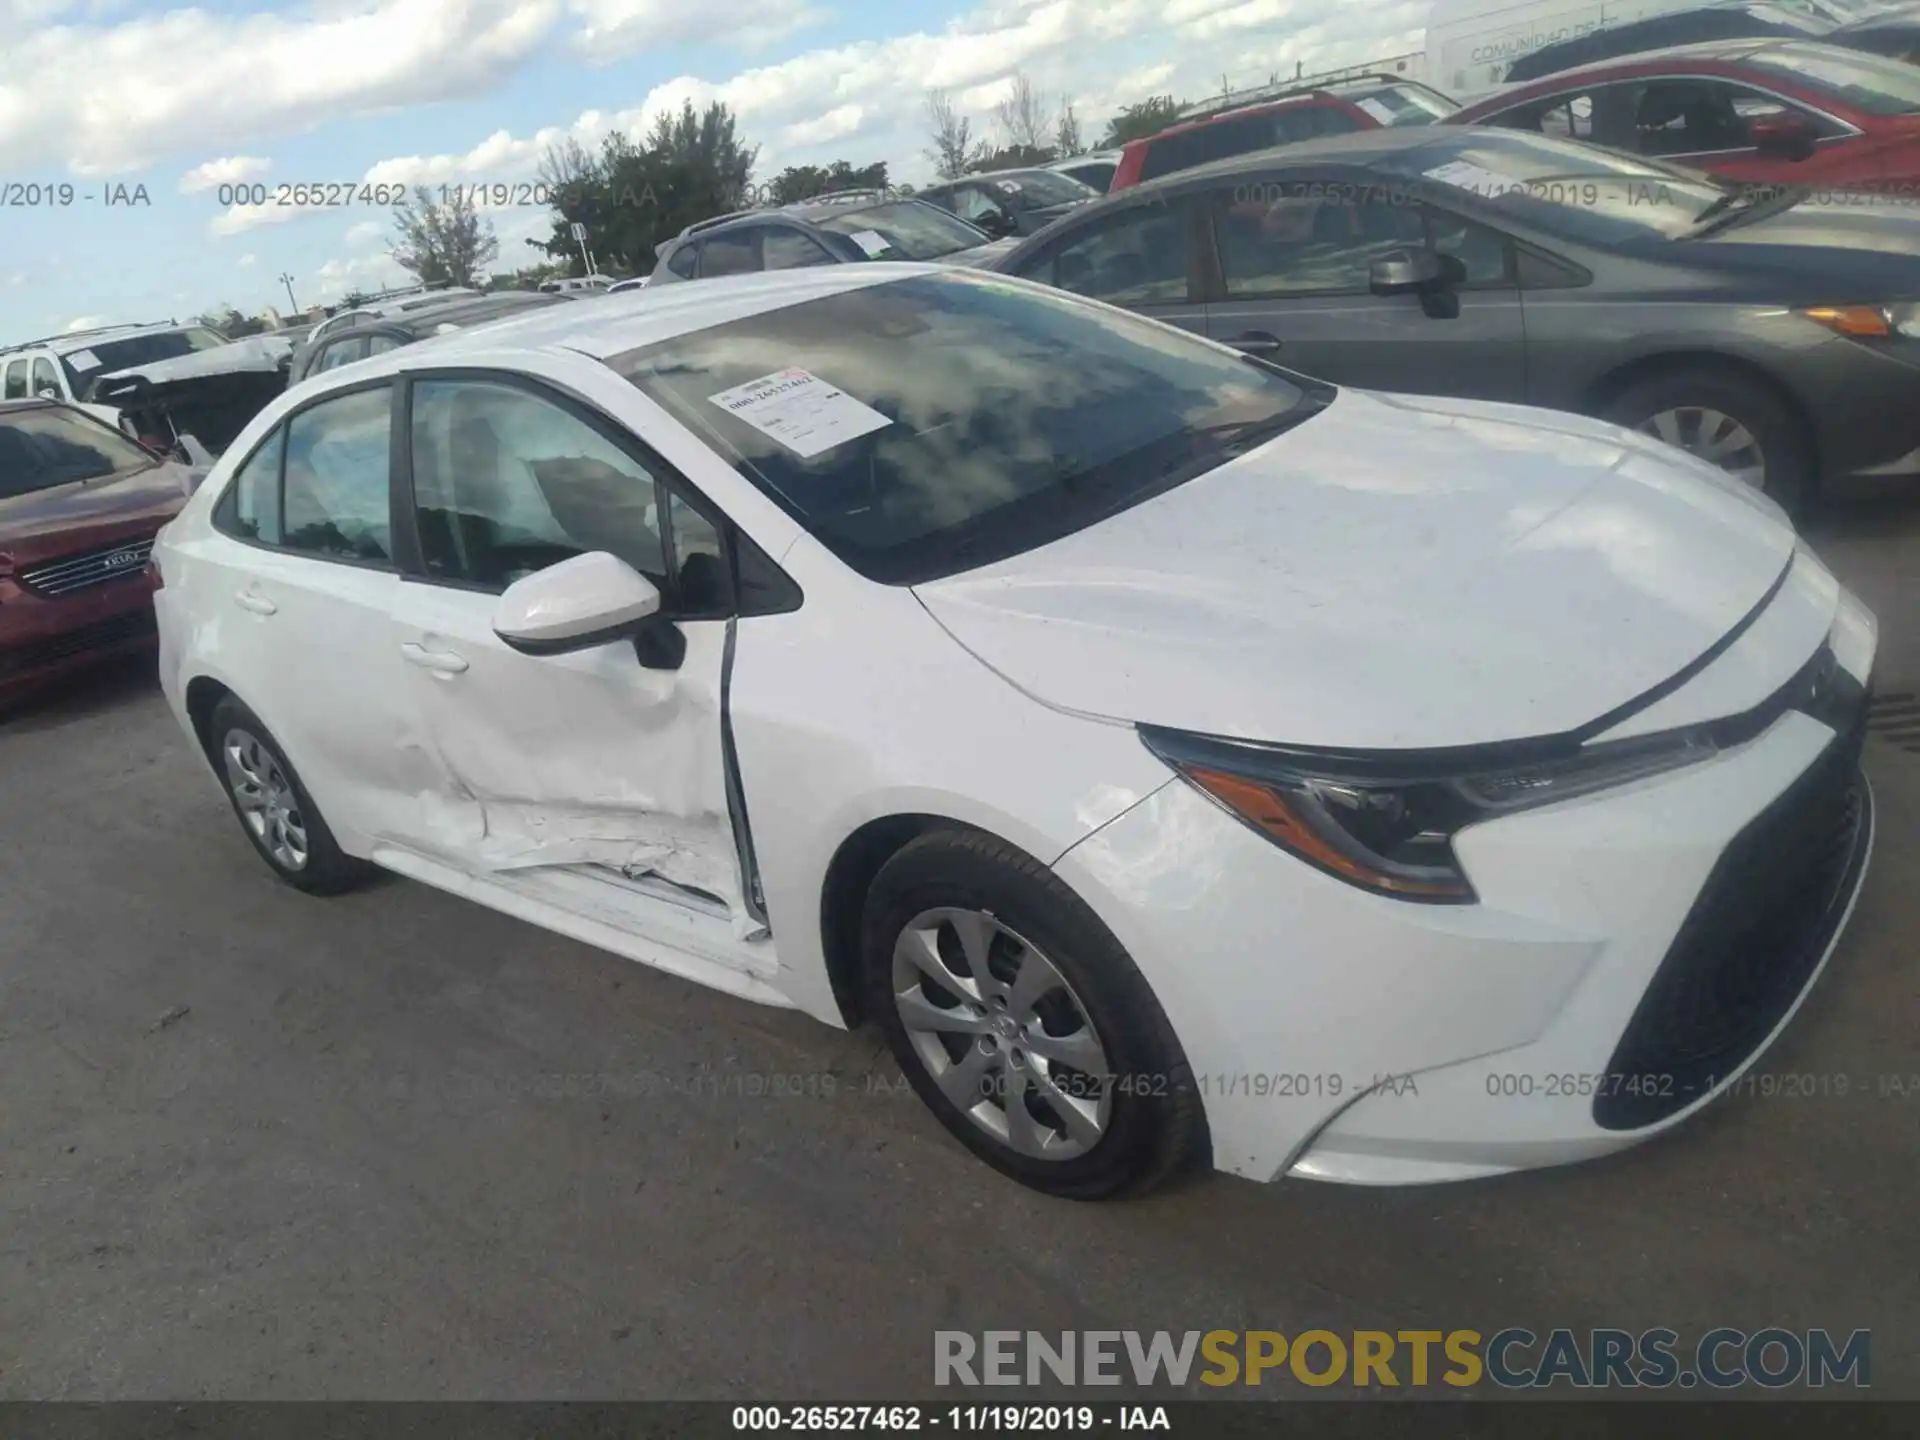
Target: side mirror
[
  {"x": 1787, "y": 136},
  {"x": 1410, "y": 273},
  {"x": 590, "y": 600}
]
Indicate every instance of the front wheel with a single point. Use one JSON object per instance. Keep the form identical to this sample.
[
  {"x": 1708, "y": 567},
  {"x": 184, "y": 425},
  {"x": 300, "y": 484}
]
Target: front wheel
[
  {"x": 1023, "y": 1024},
  {"x": 1732, "y": 421},
  {"x": 274, "y": 809}
]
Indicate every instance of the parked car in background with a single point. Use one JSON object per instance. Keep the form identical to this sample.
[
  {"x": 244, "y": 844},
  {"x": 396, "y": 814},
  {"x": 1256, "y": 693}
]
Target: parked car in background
[
  {"x": 637, "y": 282},
  {"x": 1747, "y": 20},
  {"x": 1772, "y": 335},
  {"x": 1766, "y": 112},
  {"x": 377, "y": 334},
  {"x": 1010, "y": 202},
  {"x": 1094, "y": 170},
  {"x": 568, "y": 284},
  {"x": 1285, "y": 116},
  {"x": 828, "y": 230},
  {"x": 1076, "y": 700},
  {"x": 80, "y": 504},
  {"x": 393, "y": 304},
  {"x": 185, "y": 389}
]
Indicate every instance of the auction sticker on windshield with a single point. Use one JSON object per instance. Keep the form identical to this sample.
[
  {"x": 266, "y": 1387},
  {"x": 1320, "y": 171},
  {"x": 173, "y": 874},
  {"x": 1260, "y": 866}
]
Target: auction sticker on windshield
[
  {"x": 801, "y": 411},
  {"x": 84, "y": 360},
  {"x": 1476, "y": 179},
  {"x": 871, "y": 241}
]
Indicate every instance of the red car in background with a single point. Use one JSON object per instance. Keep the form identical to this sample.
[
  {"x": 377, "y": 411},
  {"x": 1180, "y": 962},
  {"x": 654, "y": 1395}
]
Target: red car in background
[
  {"x": 1285, "y": 117},
  {"x": 80, "y": 504},
  {"x": 1768, "y": 112}
]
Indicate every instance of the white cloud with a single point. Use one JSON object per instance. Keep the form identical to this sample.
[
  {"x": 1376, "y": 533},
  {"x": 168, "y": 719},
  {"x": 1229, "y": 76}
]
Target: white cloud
[
  {"x": 367, "y": 232},
  {"x": 364, "y": 272},
  {"x": 246, "y": 260},
  {"x": 105, "y": 99},
  {"x": 833, "y": 125},
  {"x": 228, "y": 170},
  {"x": 613, "y": 29},
  {"x": 85, "y": 322}
]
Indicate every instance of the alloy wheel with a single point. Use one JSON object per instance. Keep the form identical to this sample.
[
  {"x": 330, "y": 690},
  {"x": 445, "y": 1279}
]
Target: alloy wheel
[
  {"x": 1713, "y": 436},
  {"x": 266, "y": 800},
  {"x": 1002, "y": 1033}
]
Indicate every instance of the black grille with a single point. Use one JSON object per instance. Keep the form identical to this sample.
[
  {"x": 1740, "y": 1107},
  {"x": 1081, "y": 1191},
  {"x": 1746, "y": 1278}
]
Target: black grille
[
  {"x": 38, "y": 654},
  {"x": 96, "y": 567},
  {"x": 1747, "y": 948}
]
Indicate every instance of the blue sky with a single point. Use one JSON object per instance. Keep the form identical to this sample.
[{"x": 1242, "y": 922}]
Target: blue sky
[{"x": 112, "y": 96}]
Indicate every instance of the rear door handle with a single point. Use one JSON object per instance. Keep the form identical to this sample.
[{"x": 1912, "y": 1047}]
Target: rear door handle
[
  {"x": 258, "y": 604},
  {"x": 1255, "y": 342},
  {"x": 441, "y": 662}
]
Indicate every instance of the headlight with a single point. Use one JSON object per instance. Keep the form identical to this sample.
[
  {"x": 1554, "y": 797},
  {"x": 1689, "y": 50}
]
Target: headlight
[{"x": 1387, "y": 824}]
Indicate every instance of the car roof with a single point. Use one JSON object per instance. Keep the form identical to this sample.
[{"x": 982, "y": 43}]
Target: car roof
[
  {"x": 1102, "y": 156},
  {"x": 1257, "y": 107},
  {"x": 67, "y": 344},
  {"x": 610, "y": 325},
  {"x": 468, "y": 310},
  {"x": 1712, "y": 52},
  {"x": 1360, "y": 146}
]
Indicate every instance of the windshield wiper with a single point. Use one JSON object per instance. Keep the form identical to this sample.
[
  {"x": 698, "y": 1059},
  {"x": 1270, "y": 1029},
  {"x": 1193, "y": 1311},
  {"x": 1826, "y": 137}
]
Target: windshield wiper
[{"x": 1740, "y": 207}]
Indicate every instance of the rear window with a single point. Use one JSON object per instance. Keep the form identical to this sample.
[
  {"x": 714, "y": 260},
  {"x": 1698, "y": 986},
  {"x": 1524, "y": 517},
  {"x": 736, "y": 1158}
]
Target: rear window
[
  {"x": 930, "y": 425},
  {"x": 42, "y": 448},
  {"x": 103, "y": 357},
  {"x": 903, "y": 230},
  {"x": 1037, "y": 189},
  {"x": 1243, "y": 134}
]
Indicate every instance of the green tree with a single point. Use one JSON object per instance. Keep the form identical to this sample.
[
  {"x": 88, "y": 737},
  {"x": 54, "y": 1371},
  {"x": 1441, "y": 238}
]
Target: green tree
[
  {"x": 803, "y": 182},
  {"x": 1136, "y": 122},
  {"x": 955, "y": 147},
  {"x": 442, "y": 242}
]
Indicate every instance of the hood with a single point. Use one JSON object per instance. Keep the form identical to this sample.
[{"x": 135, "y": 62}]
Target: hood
[
  {"x": 983, "y": 256},
  {"x": 1865, "y": 248},
  {"x": 1394, "y": 573},
  {"x": 254, "y": 353},
  {"x": 60, "y": 519}
]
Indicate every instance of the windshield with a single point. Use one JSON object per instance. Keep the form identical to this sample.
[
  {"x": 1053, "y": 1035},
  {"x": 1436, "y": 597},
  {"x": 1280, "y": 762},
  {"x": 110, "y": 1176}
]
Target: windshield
[
  {"x": 1866, "y": 82},
  {"x": 930, "y": 425},
  {"x": 104, "y": 357},
  {"x": 1037, "y": 189},
  {"x": 904, "y": 230},
  {"x": 42, "y": 448},
  {"x": 1562, "y": 186},
  {"x": 1403, "y": 105}
]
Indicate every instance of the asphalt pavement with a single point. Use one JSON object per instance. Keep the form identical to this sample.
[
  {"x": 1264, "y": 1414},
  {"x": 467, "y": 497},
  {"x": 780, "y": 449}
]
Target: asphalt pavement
[{"x": 257, "y": 1145}]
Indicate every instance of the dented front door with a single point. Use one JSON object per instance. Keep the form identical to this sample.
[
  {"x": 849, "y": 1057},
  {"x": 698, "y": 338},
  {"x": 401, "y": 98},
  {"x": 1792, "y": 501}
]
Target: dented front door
[
  {"x": 583, "y": 760},
  {"x": 587, "y": 759}
]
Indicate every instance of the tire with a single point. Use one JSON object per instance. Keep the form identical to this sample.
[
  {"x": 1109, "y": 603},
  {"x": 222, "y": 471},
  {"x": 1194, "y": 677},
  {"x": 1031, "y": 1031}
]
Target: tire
[
  {"x": 1139, "y": 1121},
  {"x": 1692, "y": 394},
  {"x": 261, "y": 785}
]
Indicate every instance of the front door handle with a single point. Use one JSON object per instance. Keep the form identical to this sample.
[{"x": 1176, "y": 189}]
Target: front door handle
[
  {"x": 440, "y": 662},
  {"x": 1255, "y": 342},
  {"x": 258, "y": 604}
]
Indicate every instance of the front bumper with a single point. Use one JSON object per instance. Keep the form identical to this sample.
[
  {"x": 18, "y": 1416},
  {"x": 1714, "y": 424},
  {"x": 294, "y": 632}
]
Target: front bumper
[
  {"x": 1633, "y": 952},
  {"x": 43, "y": 639}
]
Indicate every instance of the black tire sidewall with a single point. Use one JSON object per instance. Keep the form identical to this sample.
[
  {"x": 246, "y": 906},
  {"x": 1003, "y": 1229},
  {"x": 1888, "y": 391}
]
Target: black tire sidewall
[
  {"x": 963, "y": 874},
  {"x": 328, "y": 869},
  {"x": 1766, "y": 414}
]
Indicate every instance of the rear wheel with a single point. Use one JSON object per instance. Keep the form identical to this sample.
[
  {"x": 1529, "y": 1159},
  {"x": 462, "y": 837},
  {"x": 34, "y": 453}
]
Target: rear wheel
[
  {"x": 1733, "y": 421},
  {"x": 274, "y": 809},
  {"x": 1023, "y": 1024}
]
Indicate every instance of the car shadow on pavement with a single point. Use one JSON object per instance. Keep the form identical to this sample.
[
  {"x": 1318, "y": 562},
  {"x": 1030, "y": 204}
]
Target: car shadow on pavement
[{"x": 80, "y": 695}]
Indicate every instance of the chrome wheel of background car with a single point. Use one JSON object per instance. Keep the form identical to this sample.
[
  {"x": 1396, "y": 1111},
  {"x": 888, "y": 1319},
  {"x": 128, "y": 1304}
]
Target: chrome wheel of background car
[
  {"x": 1002, "y": 1033},
  {"x": 268, "y": 806},
  {"x": 1717, "y": 438}
]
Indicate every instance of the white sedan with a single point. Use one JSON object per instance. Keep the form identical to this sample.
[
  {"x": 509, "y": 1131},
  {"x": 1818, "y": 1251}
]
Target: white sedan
[{"x": 1181, "y": 760}]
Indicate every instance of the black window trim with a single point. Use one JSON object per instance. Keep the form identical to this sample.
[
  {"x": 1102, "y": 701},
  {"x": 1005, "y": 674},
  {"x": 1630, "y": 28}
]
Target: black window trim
[
  {"x": 750, "y": 228},
  {"x": 224, "y": 508},
  {"x": 794, "y": 228},
  {"x": 667, "y": 477}
]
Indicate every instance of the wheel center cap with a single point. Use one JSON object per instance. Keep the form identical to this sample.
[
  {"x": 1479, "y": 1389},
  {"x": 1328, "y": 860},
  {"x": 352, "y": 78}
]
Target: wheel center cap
[{"x": 1006, "y": 1027}]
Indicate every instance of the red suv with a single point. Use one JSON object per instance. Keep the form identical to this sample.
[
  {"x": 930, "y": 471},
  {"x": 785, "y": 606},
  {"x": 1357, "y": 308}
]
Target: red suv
[
  {"x": 80, "y": 504},
  {"x": 1772, "y": 112},
  {"x": 1366, "y": 102}
]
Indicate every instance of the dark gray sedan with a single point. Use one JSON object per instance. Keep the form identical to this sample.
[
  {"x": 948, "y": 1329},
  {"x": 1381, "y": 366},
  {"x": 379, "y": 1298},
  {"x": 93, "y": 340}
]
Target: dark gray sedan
[{"x": 1775, "y": 333}]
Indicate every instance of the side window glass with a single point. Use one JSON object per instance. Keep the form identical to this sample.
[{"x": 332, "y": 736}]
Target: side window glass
[
  {"x": 1138, "y": 257},
  {"x": 786, "y": 249},
  {"x": 1301, "y": 238},
  {"x": 973, "y": 203},
  {"x": 735, "y": 253},
  {"x": 44, "y": 378},
  {"x": 507, "y": 483},
  {"x": 335, "y": 500},
  {"x": 16, "y": 381},
  {"x": 1482, "y": 256},
  {"x": 380, "y": 344},
  {"x": 682, "y": 260},
  {"x": 250, "y": 510},
  {"x": 1686, "y": 117},
  {"x": 700, "y": 562},
  {"x": 340, "y": 352}
]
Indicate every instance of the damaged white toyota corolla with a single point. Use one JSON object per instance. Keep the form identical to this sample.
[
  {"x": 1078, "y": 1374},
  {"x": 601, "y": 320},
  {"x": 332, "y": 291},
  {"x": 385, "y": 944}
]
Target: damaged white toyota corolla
[{"x": 1177, "y": 758}]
